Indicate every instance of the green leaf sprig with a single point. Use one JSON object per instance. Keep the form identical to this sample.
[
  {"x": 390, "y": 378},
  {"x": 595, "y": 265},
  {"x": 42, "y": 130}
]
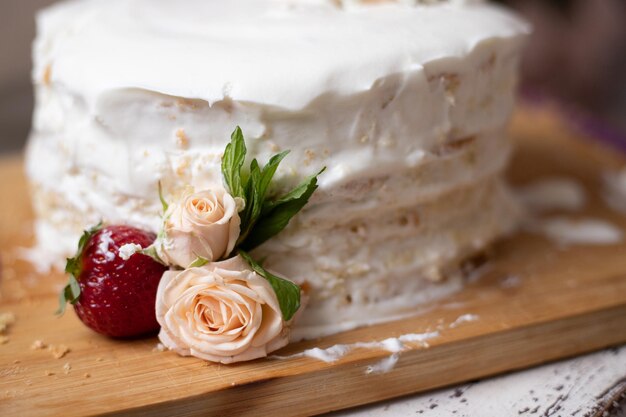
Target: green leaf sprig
[
  {"x": 71, "y": 292},
  {"x": 261, "y": 217},
  {"x": 287, "y": 292}
]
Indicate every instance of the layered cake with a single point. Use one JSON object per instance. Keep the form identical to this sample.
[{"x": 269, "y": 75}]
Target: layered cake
[{"x": 404, "y": 102}]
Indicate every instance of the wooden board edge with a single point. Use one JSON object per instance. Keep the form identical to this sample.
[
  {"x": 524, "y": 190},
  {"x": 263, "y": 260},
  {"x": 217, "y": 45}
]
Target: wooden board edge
[{"x": 492, "y": 354}]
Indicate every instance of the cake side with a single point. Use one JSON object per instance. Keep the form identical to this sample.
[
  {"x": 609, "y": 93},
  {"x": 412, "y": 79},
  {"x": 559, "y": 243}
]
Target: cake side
[{"x": 414, "y": 154}]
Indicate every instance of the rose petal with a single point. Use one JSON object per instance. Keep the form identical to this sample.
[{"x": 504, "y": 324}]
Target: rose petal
[{"x": 223, "y": 312}]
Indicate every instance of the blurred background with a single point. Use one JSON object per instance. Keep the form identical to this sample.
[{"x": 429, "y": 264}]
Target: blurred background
[
  {"x": 17, "y": 30},
  {"x": 576, "y": 57}
]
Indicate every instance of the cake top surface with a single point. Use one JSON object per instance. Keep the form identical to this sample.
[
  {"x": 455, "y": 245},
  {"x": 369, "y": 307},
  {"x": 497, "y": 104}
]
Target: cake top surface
[{"x": 278, "y": 52}]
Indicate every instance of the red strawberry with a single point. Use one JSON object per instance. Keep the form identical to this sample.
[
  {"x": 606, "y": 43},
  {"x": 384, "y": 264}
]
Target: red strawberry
[{"x": 110, "y": 295}]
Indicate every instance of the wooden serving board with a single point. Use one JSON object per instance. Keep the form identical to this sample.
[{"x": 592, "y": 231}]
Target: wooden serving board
[{"x": 566, "y": 301}]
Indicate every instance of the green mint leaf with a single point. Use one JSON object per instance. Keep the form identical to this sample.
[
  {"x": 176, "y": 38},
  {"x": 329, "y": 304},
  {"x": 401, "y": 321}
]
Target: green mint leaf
[
  {"x": 268, "y": 173},
  {"x": 276, "y": 215},
  {"x": 71, "y": 292},
  {"x": 287, "y": 292},
  {"x": 232, "y": 162},
  {"x": 256, "y": 196},
  {"x": 254, "y": 201},
  {"x": 163, "y": 202},
  {"x": 297, "y": 193},
  {"x": 199, "y": 262}
]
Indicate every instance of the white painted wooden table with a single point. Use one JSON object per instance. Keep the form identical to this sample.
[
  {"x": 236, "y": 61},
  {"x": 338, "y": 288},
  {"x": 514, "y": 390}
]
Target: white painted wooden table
[{"x": 593, "y": 385}]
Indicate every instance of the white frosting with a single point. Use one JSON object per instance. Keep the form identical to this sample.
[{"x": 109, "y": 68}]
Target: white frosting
[
  {"x": 392, "y": 344},
  {"x": 553, "y": 194},
  {"x": 465, "y": 318},
  {"x": 128, "y": 250},
  {"x": 565, "y": 194},
  {"x": 103, "y": 248},
  {"x": 580, "y": 231},
  {"x": 282, "y": 53},
  {"x": 405, "y": 105},
  {"x": 384, "y": 365}
]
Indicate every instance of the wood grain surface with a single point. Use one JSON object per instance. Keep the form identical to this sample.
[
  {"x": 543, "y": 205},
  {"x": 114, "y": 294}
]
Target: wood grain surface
[{"x": 568, "y": 300}]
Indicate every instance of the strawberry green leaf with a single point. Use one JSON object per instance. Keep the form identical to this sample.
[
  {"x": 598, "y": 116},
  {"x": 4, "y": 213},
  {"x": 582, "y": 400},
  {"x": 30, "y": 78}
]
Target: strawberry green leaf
[
  {"x": 72, "y": 266},
  {"x": 276, "y": 215},
  {"x": 232, "y": 162},
  {"x": 287, "y": 293},
  {"x": 71, "y": 292}
]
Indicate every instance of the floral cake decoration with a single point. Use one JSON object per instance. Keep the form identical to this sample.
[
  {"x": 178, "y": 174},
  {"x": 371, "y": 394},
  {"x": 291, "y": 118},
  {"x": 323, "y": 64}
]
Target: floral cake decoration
[{"x": 196, "y": 280}]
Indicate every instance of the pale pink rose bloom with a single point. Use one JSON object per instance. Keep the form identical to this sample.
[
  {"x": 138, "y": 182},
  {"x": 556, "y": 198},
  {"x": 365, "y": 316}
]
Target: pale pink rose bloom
[
  {"x": 221, "y": 312},
  {"x": 200, "y": 225}
]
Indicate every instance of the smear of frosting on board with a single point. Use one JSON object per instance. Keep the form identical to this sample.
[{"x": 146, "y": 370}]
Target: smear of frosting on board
[
  {"x": 588, "y": 231},
  {"x": 384, "y": 365},
  {"x": 336, "y": 352},
  {"x": 554, "y": 193},
  {"x": 394, "y": 345},
  {"x": 463, "y": 319},
  {"x": 387, "y": 364}
]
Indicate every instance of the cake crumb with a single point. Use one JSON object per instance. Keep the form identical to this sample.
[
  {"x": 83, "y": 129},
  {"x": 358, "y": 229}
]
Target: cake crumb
[
  {"x": 274, "y": 147},
  {"x": 309, "y": 156},
  {"x": 6, "y": 320},
  {"x": 186, "y": 104},
  {"x": 38, "y": 345},
  {"x": 160, "y": 347},
  {"x": 182, "y": 168},
  {"x": 67, "y": 368},
  {"x": 182, "y": 140},
  {"x": 48, "y": 373},
  {"x": 47, "y": 75},
  {"x": 58, "y": 351},
  {"x": 99, "y": 359},
  {"x": 87, "y": 375}
]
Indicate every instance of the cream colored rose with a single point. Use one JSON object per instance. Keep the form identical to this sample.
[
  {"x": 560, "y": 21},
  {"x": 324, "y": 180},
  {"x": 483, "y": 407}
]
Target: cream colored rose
[
  {"x": 200, "y": 225},
  {"x": 221, "y": 312}
]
